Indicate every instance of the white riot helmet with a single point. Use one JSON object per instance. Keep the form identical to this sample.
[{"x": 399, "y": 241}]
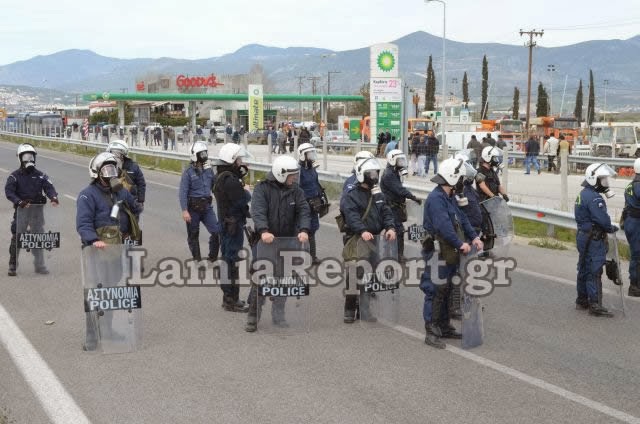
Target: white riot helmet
[
  {"x": 396, "y": 157},
  {"x": 450, "y": 172},
  {"x": 118, "y": 147},
  {"x": 103, "y": 165},
  {"x": 306, "y": 151},
  {"x": 230, "y": 152},
  {"x": 27, "y": 155},
  {"x": 491, "y": 155},
  {"x": 284, "y": 166},
  {"x": 362, "y": 155},
  {"x": 199, "y": 152},
  {"x": 368, "y": 171},
  {"x": 597, "y": 176},
  {"x": 636, "y": 166},
  {"x": 468, "y": 156}
]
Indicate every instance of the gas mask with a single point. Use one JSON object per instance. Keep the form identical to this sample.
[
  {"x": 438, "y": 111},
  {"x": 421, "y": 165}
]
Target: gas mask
[
  {"x": 462, "y": 200},
  {"x": 602, "y": 186},
  {"x": 403, "y": 172},
  {"x": 109, "y": 177},
  {"x": 371, "y": 180},
  {"x": 202, "y": 156},
  {"x": 28, "y": 161},
  {"x": 458, "y": 188},
  {"x": 243, "y": 170}
]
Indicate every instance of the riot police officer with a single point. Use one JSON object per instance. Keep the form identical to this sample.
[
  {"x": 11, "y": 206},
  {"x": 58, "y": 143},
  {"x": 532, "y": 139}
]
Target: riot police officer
[
  {"x": 396, "y": 194},
  {"x": 232, "y": 198},
  {"x": 487, "y": 181},
  {"x": 351, "y": 181},
  {"x": 25, "y": 186},
  {"x": 97, "y": 223},
  {"x": 131, "y": 175},
  {"x": 445, "y": 222},
  {"x": 279, "y": 209},
  {"x": 195, "y": 198},
  {"x": 631, "y": 219},
  {"x": 593, "y": 223},
  {"x": 310, "y": 184},
  {"x": 366, "y": 214}
]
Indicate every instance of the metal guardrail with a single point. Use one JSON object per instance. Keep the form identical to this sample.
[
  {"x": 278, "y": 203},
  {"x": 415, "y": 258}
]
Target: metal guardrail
[{"x": 550, "y": 217}]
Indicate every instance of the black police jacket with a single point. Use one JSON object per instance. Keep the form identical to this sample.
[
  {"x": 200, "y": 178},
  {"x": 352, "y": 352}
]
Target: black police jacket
[
  {"x": 29, "y": 186},
  {"x": 353, "y": 206},
  {"x": 280, "y": 210},
  {"x": 391, "y": 186},
  {"x": 231, "y": 197}
]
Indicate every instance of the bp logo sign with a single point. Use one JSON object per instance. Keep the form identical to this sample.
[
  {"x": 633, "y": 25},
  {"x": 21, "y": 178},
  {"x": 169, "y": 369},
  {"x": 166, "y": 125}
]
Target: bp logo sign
[{"x": 386, "y": 61}]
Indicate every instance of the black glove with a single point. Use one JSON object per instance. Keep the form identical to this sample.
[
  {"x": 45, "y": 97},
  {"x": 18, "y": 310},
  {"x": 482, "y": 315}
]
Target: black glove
[
  {"x": 141, "y": 206},
  {"x": 55, "y": 200},
  {"x": 615, "y": 228},
  {"x": 418, "y": 201},
  {"x": 505, "y": 197},
  {"x": 23, "y": 203}
]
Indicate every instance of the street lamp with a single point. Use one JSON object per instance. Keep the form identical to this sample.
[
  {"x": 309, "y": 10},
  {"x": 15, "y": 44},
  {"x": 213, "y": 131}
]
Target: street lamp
[
  {"x": 445, "y": 149},
  {"x": 604, "y": 117},
  {"x": 551, "y": 69}
]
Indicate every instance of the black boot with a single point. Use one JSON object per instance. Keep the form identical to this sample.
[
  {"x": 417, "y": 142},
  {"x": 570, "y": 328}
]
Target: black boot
[
  {"x": 449, "y": 331},
  {"x": 599, "y": 311},
  {"x": 634, "y": 289},
  {"x": 13, "y": 257},
  {"x": 433, "y": 336},
  {"x": 234, "y": 305},
  {"x": 252, "y": 324},
  {"x": 582, "y": 304}
]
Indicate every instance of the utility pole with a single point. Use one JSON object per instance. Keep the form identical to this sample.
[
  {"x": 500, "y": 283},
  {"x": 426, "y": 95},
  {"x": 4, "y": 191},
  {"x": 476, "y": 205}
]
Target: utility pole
[
  {"x": 551, "y": 69},
  {"x": 531, "y": 44},
  {"x": 604, "y": 118},
  {"x": 329, "y": 91},
  {"x": 300, "y": 83},
  {"x": 314, "y": 81}
]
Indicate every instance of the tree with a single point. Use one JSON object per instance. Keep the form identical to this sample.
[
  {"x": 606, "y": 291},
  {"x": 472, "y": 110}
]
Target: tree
[
  {"x": 485, "y": 87},
  {"x": 465, "y": 89},
  {"x": 542, "y": 106},
  {"x": 516, "y": 103},
  {"x": 577, "y": 112},
  {"x": 362, "y": 108},
  {"x": 591, "y": 105},
  {"x": 430, "y": 87}
]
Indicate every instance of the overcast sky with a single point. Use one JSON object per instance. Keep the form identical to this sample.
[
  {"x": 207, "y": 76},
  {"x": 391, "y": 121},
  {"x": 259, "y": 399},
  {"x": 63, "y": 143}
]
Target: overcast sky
[{"x": 193, "y": 29}]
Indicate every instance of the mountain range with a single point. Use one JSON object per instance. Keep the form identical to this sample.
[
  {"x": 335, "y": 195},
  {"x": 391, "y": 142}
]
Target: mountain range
[{"x": 617, "y": 61}]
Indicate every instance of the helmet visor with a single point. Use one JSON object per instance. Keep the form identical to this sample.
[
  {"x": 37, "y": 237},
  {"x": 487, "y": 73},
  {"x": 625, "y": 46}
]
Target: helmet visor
[
  {"x": 371, "y": 174},
  {"x": 28, "y": 157},
  {"x": 401, "y": 162},
  {"x": 469, "y": 171},
  {"x": 311, "y": 154},
  {"x": 109, "y": 171}
]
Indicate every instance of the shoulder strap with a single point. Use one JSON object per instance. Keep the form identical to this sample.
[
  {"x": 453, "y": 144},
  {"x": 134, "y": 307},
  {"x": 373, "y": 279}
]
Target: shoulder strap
[{"x": 366, "y": 212}]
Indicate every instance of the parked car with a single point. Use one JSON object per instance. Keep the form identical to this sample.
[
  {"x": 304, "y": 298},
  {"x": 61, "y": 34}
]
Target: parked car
[{"x": 337, "y": 136}]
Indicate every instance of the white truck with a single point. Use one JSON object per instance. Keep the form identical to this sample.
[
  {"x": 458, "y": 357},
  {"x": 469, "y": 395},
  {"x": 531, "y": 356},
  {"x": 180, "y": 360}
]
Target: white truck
[{"x": 623, "y": 134}]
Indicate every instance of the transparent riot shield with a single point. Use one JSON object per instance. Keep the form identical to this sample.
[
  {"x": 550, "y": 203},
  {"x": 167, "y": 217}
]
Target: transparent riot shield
[
  {"x": 377, "y": 274},
  {"x": 497, "y": 226},
  {"x": 113, "y": 309},
  {"x": 415, "y": 216},
  {"x": 38, "y": 234},
  {"x": 610, "y": 292},
  {"x": 282, "y": 279},
  {"x": 470, "y": 305}
]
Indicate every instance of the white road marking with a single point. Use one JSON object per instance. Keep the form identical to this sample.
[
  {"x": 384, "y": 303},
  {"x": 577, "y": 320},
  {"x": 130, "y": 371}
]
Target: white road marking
[
  {"x": 4, "y": 170},
  {"x": 572, "y": 283},
  {"x": 552, "y": 388},
  {"x": 68, "y": 196},
  {"x": 56, "y": 401}
]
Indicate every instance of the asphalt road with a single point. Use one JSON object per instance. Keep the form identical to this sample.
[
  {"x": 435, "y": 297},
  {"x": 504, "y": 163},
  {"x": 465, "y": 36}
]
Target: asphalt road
[{"x": 542, "y": 360}]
